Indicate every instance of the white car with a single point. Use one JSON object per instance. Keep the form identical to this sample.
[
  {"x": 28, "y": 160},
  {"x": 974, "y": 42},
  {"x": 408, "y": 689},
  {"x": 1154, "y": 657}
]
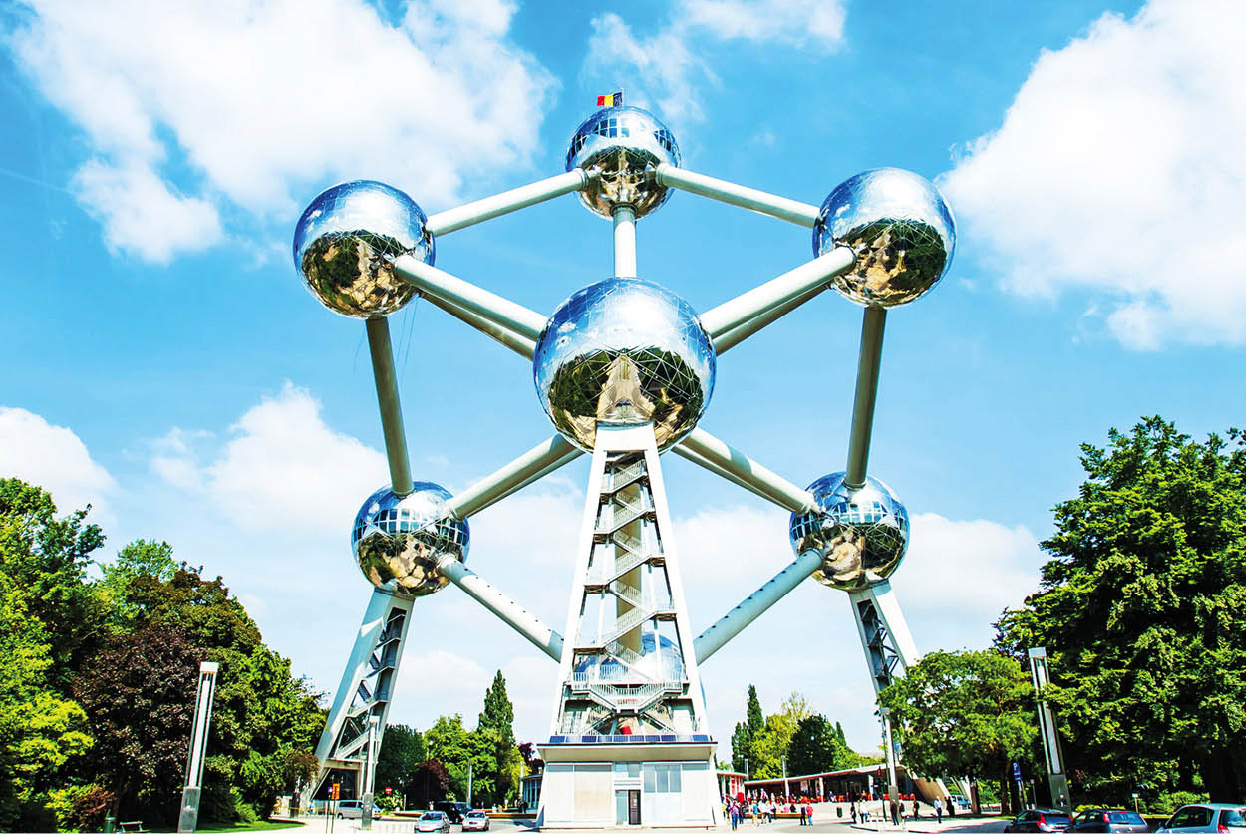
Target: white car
[
  {"x": 352, "y": 809},
  {"x": 1209, "y": 817},
  {"x": 433, "y": 821},
  {"x": 475, "y": 821}
]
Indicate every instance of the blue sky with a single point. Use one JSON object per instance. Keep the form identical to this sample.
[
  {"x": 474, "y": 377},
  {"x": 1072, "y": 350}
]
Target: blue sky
[{"x": 164, "y": 363}]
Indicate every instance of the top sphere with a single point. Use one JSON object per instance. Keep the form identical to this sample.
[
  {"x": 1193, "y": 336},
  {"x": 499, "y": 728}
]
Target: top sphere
[
  {"x": 901, "y": 229},
  {"x": 398, "y": 540},
  {"x": 861, "y": 533},
  {"x": 346, "y": 243},
  {"x": 620, "y": 145},
  {"x": 627, "y": 352}
]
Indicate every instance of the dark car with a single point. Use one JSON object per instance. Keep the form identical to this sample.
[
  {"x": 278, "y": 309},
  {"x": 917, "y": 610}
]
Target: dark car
[
  {"x": 1109, "y": 821},
  {"x": 454, "y": 810},
  {"x": 1040, "y": 819}
]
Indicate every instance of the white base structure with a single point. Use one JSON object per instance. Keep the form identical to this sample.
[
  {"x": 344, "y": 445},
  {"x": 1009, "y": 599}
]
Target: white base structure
[{"x": 628, "y": 743}]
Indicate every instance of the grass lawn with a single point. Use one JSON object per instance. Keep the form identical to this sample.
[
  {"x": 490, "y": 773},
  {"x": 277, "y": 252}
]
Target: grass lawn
[{"x": 255, "y": 826}]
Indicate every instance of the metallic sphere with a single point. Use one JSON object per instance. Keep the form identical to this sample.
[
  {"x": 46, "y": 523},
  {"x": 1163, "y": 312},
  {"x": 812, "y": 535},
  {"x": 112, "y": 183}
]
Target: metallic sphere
[
  {"x": 346, "y": 243},
  {"x": 620, "y": 145},
  {"x": 901, "y": 229},
  {"x": 861, "y": 533},
  {"x": 624, "y": 351},
  {"x": 398, "y": 540}
]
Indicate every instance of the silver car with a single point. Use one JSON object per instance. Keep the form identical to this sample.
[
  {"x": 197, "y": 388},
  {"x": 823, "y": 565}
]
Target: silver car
[
  {"x": 352, "y": 809},
  {"x": 475, "y": 821},
  {"x": 1211, "y": 817},
  {"x": 433, "y": 821}
]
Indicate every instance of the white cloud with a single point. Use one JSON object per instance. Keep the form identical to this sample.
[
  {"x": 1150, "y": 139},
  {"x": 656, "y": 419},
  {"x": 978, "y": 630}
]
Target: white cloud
[
  {"x": 251, "y": 104},
  {"x": 55, "y": 458},
  {"x": 664, "y": 69},
  {"x": 282, "y": 469},
  {"x": 142, "y": 215},
  {"x": 1117, "y": 173}
]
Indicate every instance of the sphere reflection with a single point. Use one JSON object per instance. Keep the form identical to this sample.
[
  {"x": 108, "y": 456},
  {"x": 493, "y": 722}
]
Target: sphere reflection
[
  {"x": 901, "y": 229},
  {"x": 627, "y": 352},
  {"x": 398, "y": 540},
  {"x": 346, "y": 242},
  {"x": 620, "y": 145},
  {"x": 862, "y": 533}
]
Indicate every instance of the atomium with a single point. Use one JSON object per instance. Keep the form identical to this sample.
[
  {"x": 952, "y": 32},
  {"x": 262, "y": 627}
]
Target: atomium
[
  {"x": 861, "y": 533},
  {"x": 346, "y": 243},
  {"x": 399, "y": 540},
  {"x": 900, "y": 228},
  {"x": 618, "y": 147},
  {"x": 624, "y": 351}
]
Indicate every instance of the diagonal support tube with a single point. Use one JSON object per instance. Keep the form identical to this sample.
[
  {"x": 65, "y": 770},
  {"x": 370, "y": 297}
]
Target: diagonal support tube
[
  {"x": 869, "y": 363},
  {"x": 382, "y": 351},
  {"x": 533, "y": 464},
  {"x": 469, "y": 214},
  {"x": 755, "y": 604},
  {"x": 741, "y": 469},
  {"x": 508, "y": 611},
  {"x": 736, "y": 335},
  {"x": 687, "y": 454},
  {"x": 777, "y": 292},
  {"x": 522, "y": 345},
  {"x": 802, "y": 214},
  {"x": 433, "y": 282}
]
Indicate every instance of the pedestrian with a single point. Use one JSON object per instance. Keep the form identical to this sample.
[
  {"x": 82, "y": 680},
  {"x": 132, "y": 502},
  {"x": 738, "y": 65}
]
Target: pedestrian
[
  {"x": 895, "y": 810},
  {"x": 804, "y": 814},
  {"x": 916, "y": 811},
  {"x": 735, "y": 814},
  {"x": 938, "y": 809},
  {"x": 809, "y": 813}
]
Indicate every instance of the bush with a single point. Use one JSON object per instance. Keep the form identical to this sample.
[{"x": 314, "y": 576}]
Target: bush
[
  {"x": 1166, "y": 803},
  {"x": 81, "y": 807}
]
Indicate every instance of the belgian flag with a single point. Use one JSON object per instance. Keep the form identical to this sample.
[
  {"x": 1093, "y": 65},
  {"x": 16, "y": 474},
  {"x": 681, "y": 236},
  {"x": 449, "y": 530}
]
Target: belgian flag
[{"x": 612, "y": 100}]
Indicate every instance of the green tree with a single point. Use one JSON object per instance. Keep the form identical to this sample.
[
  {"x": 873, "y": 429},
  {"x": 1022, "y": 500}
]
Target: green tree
[
  {"x": 964, "y": 713},
  {"x": 448, "y": 743},
  {"x": 742, "y": 754},
  {"x": 1142, "y": 609},
  {"x": 402, "y": 752},
  {"x": 816, "y": 747},
  {"x": 498, "y": 717}
]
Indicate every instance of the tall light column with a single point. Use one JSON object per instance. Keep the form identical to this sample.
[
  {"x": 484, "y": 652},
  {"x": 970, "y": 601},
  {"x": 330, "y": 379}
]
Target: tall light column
[
  {"x": 893, "y": 786},
  {"x": 369, "y": 775},
  {"x": 189, "y": 815},
  {"x": 1056, "y": 779}
]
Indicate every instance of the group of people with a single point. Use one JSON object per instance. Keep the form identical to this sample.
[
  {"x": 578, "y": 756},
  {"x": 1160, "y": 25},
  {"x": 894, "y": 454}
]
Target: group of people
[{"x": 763, "y": 810}]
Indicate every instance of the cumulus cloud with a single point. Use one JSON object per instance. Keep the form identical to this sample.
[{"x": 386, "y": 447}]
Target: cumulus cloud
[
  {"x": 664, "y": 68},
  {"x": 55, "y": 458},
  {"x": 1117, "y": 174},
  {"x": 247, "y": 105},
  {"x": 283, "y": 468}
]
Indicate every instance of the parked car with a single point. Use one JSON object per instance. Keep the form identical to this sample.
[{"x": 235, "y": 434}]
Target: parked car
[
  {"x": 1039, "y": 819},
  {"x": 433, "y": 821},
  {"x": 453, "y": 810},
  {"x": 1210, "y": 817},
  {"x": 476, "y": 821},
  {"x": 1109, "y": 821},
  {"x": 352, "y": 809}
]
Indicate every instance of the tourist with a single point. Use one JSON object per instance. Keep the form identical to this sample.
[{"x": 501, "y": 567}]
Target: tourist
[{"x": 938, "y": 809}]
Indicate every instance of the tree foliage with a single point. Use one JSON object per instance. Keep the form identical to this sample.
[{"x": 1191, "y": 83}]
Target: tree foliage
[
  {"x": 807, "y": 740},
  {"x": 1142, "y": 609},
  {"x": 964, "y": 713}
]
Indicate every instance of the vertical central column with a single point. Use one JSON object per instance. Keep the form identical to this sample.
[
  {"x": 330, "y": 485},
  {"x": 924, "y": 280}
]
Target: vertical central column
[
  {"x": 628, "y": 741},
  {"x": 624, "y": 242}
]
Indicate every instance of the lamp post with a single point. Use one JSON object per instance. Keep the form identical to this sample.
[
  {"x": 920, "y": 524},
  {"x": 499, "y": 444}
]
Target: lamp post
[
  {"x": 369, "y": 775},
  {"x": 1056, "y": 780},
  {"x": 786, "y": 791},
  {"x": 189, "y": 816},
  {"x": 893, "y": 788}
]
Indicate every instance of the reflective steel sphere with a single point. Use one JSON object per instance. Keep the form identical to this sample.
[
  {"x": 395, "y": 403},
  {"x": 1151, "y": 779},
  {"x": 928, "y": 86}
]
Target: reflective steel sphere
[
  {"x": 861, "y": 533},
  {"x": 899, "y": 226},
  {"x": 621, "y": 145},
  {"x": 398, "y": 541},
  {"x": 346, "y": 243},
  {"x": 624, "y": 351}
]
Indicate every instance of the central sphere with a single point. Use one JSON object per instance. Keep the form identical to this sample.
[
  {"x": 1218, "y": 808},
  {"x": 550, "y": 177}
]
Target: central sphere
[
  {"x": 398, "y": 540},
  {"x": 626, "y": 352},
  {"x": 861, "y": 533},
  {"x": 620, "y": 146}
]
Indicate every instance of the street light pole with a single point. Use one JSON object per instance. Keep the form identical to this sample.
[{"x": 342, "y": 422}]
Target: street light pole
[
  {"x": 786, "y": 791},
  {"x": 894, "y": 789},
  {"x": 369, "y": 774},
  {"x": 188, "y": 816},
  {"x": 1056, "y": 780}
]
